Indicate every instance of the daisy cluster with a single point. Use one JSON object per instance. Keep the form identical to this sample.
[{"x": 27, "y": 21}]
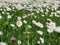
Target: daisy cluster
[{"x": 32, "y": 22}]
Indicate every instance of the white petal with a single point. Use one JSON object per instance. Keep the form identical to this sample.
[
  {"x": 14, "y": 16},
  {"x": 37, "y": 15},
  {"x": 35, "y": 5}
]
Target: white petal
[
  {"x": 1, "y": 32},
  {"x": 50, "y": 30},
  {"x": 19, "y": 42},
  {"x": 3, "y": 43},
  {"x": 19, "y": 23},
  {"x": 57, "y": 29},
  {"x": 40, "y": 32},
  {"x": 42, "y": 40}
]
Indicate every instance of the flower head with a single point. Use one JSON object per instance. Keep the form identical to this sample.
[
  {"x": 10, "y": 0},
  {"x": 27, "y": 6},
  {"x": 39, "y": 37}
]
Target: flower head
[
  {"x": 0, "y": 17},
  {"x": 19, "y": 42},
  {"x": 57, "y": 29},
  {"x": 3, "y": 43},
  {"x": 9, "y": 16},
  {"x": 1, "y": 32},
  {"x": 19, "y": 23},
  {"x": 13, "y": 38},
  {"x": 42, "y": 40},
  {"x": 19, "y": 18},
  {"x": 40, "y": 32},
  {"x": 38, "y": 24},
  {"x": 12, "y": 25}
]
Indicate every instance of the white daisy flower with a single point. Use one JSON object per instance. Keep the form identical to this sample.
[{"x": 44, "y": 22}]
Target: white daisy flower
[
  {"x": 49, "y": 19},
  {"x": 9, "y": 16},
  {"x": 28, "y": 32},
  {"x": 25, "y": 21},
  {"x": 41, "y": 10},
  {"x": 50, "y": 30},
  {"x": 52, "y": 13},
  {"x": 35, "y": 16},
  {"x": 18, "y": 18},
  {"x": 19, "y": 42},
  {"x": 47, "y": 10},
  {"x": 40, "y": 32},
  {"x": 24, "y": 16},
  {"x": 3, "y": 12},
  {"x": 1, "y": 9},
  {"x": 0, "y": 17},
  {"x": 8, "y": 9},
  {"x": 31, "y": 14},
  {"x": 3, "y": 43},
  {"x": 38, "y": 42},
  {"x": 29, "y": 26},
  {"x": 42, "y": 40},
  {"x": 57, "y": 29},
  {"x": 42, "y": 15},
  {"x": 57, "y": 15},
  {"x": 19, "y": 7},
  {"x": 58, "y": 12},
  {"x": 19, "y": 23},
  {"x": 7, "y": 13},
  {"x": 1, "y": 33},
  {"x": 51, "y": 25},
  {"x": 37, "y": 11},
  {"x": 51, "y": 16},
  {"x": 46, "y": 13},
  {"x": 12, "y": 25},
  {"x": 38, "y": 24},
  {"x": 34, "y": 22}
]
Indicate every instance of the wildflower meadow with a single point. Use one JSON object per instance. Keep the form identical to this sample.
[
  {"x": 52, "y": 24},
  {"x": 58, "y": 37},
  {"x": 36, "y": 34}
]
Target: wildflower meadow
[{"x": 30, "y": 22}]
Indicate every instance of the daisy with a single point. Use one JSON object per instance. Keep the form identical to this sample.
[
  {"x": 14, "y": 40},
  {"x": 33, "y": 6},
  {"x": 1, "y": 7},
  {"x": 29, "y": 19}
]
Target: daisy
[
  {"x": 19, "y": 23},
  {"x": 58, "y": 12},
  {"x": 19, "y": 7},
  {"x": 1, "y": 32},
  {"x": 38, "y": 42},
  {"x": 27, "y": 32},
  {"x": 24, "y": 16},
  {"x": 40, "y": 32},
  {"x": 7, "y": 13},
  {"x": 51, "y": 25},
  {"x": 18, "y": 18},
  {"x": 3, "y": 12},
  {"x": 42, "y": 15},
  {"x": 12, "y": 25},
  {"x": 9, "y": 16},
  {"x": 25, "y": 21},
  {"x": 35, "y": 16},
  {"x": 49, "y": 19},
  {"x": 57, "y": 29},
  {"x": 0, "y": 17},
  {"x": 50, "y": 30},
  {"x": 3, "y": 43},
  {"x": 38, "y": 24},
  {"x": 29, "y": 26},
  {"x": 8, "y": 9},
  {"x": 31, "y": 14},
  {"x": 42, "y": 40},
  {"x": 37, "y": 11},
  {"x": 57, "y": 15},
  {"x": 19, "y": 42}
]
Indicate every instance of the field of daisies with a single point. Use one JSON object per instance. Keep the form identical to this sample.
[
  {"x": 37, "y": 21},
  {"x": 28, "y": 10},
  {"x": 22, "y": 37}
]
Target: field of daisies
[{"x": 29, "y": 22}]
